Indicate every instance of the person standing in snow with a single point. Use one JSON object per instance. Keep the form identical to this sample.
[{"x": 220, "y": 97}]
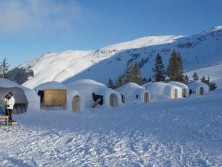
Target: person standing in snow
[{"x": 9, "y": 102}]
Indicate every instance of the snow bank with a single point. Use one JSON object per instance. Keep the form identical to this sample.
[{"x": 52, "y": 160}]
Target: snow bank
[{"x": 133, "y": 92}]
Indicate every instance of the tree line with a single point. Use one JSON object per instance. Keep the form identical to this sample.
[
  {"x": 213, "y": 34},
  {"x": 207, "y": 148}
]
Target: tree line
[
  {"x": 173, "y": 72},
  {"x": 18, "y": 75}
]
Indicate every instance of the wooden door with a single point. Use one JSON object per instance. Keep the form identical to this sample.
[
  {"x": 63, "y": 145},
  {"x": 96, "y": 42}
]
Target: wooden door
[
  {"x": 201, "y": 90},
  {"x": 184, "y": 93},
  {"x": 146, "y": 97},
  {"x": 54, "y": 97},
  {"x": 175, "y": 94},
  {"x": 75, "y": 103}
]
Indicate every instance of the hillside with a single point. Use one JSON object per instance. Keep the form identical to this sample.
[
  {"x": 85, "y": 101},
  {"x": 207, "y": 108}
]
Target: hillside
[
  {"x": 198, "y": 51},
  {"x": 185, "y": 132},
  {"x": 214, "y": 72}
]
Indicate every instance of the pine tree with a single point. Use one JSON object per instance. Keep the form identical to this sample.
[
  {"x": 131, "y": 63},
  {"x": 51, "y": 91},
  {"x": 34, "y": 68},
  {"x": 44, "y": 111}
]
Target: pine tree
[
  {"x": 180, "y": 68},
  {"x": 195, "y": 76},
  {"x": 186, "y": 79},
  {"x": 129, "y": 74},
  {"x": 133, "y": 74},
  {"x": 111, "y": 84},
  {"x": 4, "y": 68},
  {"x": 175, "y": 67},
  {"x": 212, "y": 85},
  {"x": 159, "y": 73},
  {"x": 137, "y": 74},
  {"x": 120, "y": 81},
  {"x": 20, "y": 75}
]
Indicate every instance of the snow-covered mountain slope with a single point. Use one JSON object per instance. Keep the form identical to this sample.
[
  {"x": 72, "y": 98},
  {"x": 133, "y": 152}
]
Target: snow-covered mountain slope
[
  {"x": 179, "y": 133},
  {"x": 198, "y": 51},
  {"x": 214, "y": 72},
  {"x": 142, "y": 42}
]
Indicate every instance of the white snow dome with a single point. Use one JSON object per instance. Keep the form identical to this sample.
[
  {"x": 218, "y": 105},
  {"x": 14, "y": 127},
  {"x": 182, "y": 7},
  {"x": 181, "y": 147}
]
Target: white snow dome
[
  {"x": 93, "y": 91},
  {"x": 164, "y": 90},
  {"x": 132, "y": 92},
  {"x": 25, "y": 99},
  {"x": 54, "y": 93},
  {"x": 199, "y": 88},
  {"x": 185, "y": 89}
]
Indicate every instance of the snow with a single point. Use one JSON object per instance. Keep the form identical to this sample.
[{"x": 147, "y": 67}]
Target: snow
[
  {"x": 199, "y": 51},
  {"x": 160, "y": 90},
  {"x": 51, "y": 85},
  {"x": 181, "y": 85},
  {"x": 70, "y": 93},
  {"x": 214, "y": 72},
  {"x": 213, "y": 29},
  {"x": 143, "y": 42},
  {"x": 22, "y": 94},
  {"x": 131, "y": 91},
  {"x": 88, "y": 86},
  {"x": 183, "y": 132},
  {"x": 196, "y": 85}
]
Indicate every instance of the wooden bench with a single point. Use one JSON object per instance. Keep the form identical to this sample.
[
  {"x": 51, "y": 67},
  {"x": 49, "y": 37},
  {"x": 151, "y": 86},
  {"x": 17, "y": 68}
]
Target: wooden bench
[
  {"x": 13, "y": 123},
  {"x": 4, "y": 120}
]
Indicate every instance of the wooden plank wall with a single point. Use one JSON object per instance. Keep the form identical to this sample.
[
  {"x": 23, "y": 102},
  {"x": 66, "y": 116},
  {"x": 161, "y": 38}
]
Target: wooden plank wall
[{"x": 54, "y": 97}]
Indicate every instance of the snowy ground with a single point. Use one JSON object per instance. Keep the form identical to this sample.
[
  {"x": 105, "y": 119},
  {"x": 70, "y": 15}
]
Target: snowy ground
[{"x": 185, "y": 132}]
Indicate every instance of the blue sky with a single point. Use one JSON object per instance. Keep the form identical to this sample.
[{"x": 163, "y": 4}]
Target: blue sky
[{"x": 30, "y": 28}]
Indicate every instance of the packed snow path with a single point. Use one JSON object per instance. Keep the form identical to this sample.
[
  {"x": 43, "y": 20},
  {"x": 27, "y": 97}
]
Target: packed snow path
[{"x": 185, "y": 132}]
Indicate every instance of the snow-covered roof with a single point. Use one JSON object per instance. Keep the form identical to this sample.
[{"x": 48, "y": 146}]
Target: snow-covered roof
[
  {"x": 130, "y": 85},
  {"x": 86, "y": 82},
  {"x": 87, "y": 86},
  {"x": 182, "y": 85},
  {"x": 131, "y": 89},
  {"x": 51, "y": 85},
  {"x": 8, "y": 84}
]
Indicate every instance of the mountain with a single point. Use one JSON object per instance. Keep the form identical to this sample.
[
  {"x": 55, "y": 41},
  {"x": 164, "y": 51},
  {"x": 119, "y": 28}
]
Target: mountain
[{"x": 198, "y": 51}]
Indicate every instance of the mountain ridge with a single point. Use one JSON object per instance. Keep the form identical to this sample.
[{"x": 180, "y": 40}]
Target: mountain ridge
[{"x": 198, "y": 51}]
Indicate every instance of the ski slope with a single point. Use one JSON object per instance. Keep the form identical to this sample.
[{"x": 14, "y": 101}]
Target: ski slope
[{"x": 184, "y": 132}]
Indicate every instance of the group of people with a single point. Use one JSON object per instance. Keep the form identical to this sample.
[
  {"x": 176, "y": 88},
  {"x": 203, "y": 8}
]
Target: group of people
[{"x": 8, "y": 105}]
